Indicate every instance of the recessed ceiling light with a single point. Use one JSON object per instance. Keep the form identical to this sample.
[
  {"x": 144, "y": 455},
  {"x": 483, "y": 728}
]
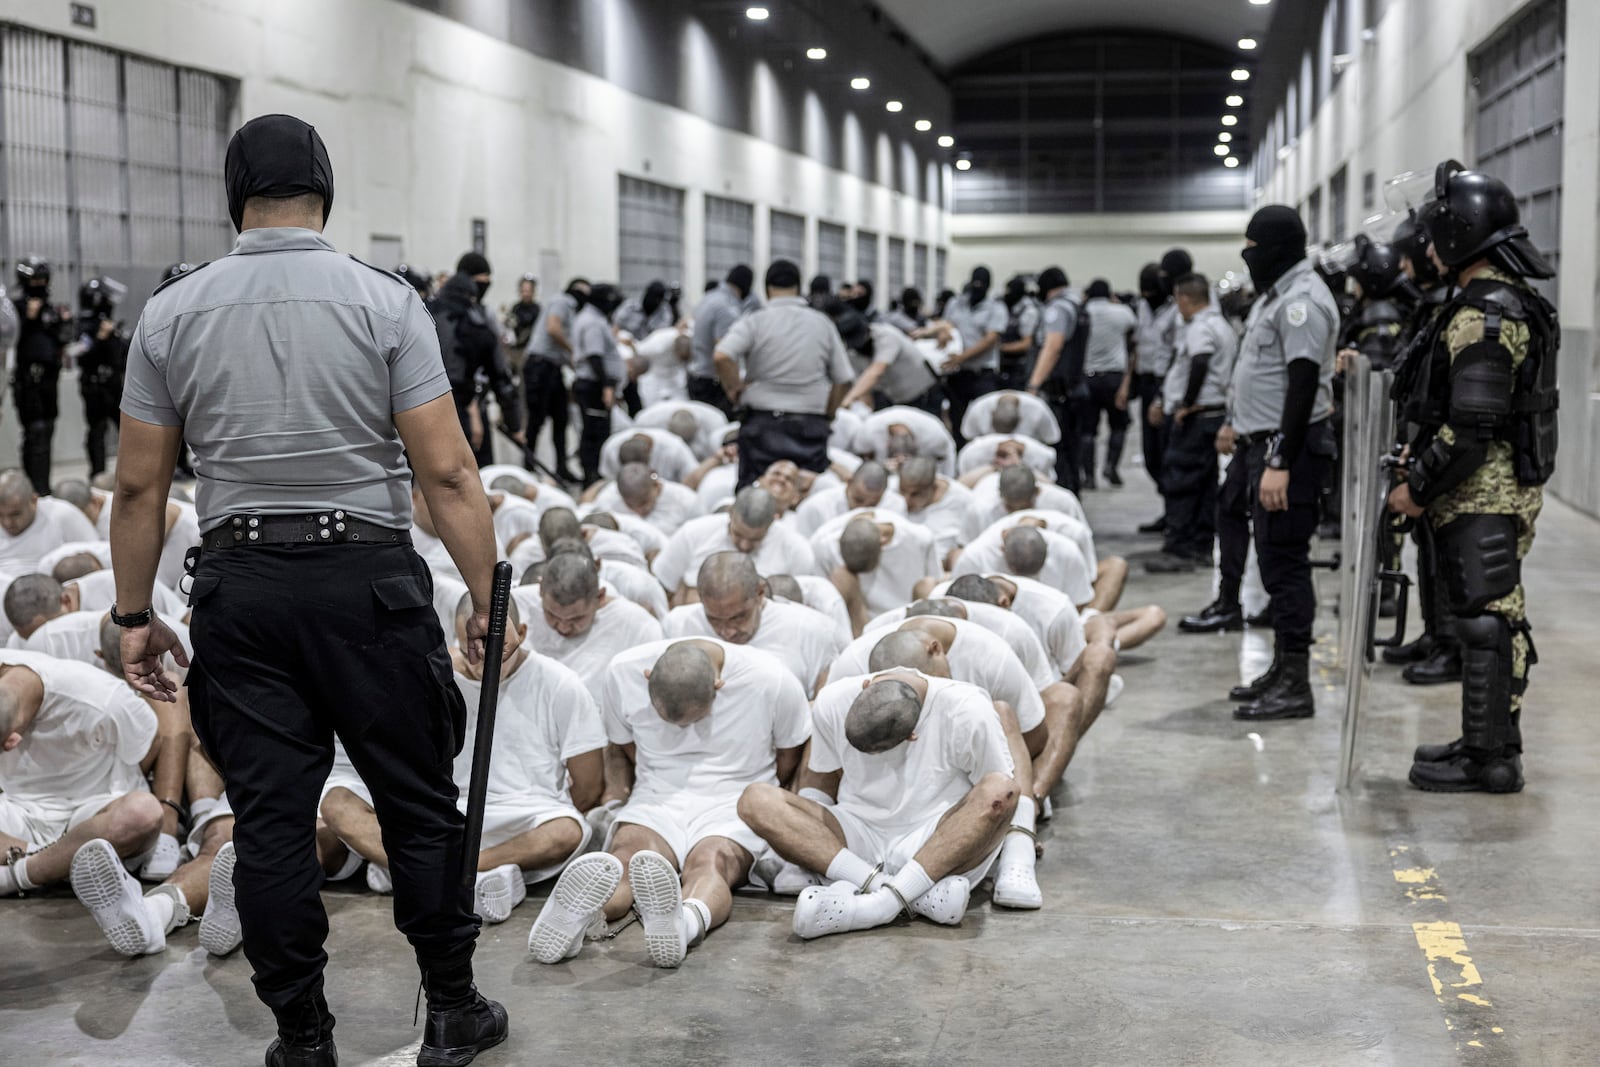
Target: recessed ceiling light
[
  {"x": 1221, "y": 150},
  {"x": 1231, "y": 161},
  {"x": 1230, "y": 120},
  {"x": 947, "y": 141},
  {"x": 1247, "y": 43},
  {"x": 816, "y": 53},
  {"x": 1224, "y": 138},
  {"x": 860, "y": 83},
  {"x": 963, "y": 164},
  {"x": 923, "y": 125},
  {"x": 894, "y": 105},
  {"x": 1234, "y": 101},
  {"x": 757, "y": 14},
  {"x": 1241, "y": 75},
  {"x": 1261, "y": 3}
]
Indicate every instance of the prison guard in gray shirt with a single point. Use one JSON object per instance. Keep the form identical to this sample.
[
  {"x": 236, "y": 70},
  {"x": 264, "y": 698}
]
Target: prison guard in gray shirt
[
  {"x": 714, "y": 316},
  {"x": 972, "y": 322},
  {"x": 541, "y": 345},
  {"x": 1157, "y": 336},
  {"x": 909, "y": 375},
  {"x": 592, "y": 336},
  {"x": 1207, "y": 333},
  {"x": 1107, "y": 351},
  {"x": 285, "y": 363},
  {"x": 631, "y": 317},
  {"x": 792, "y": 357},
  {"x": 1295, "y": 319}
]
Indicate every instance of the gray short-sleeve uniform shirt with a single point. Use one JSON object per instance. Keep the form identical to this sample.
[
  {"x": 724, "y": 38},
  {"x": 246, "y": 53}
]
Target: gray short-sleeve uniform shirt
[
  {"x": 285, "y": 363},
  {"x": 1294, "y": 319},
  {"x": 541, "y": 344},
  {"x": 1208, "y": 333},
  {"x": 1109, "y": 325},
  {"x": 592, "y": 336},
  {"x": 972, "y": 321},
  {"x": 714, "y": 316},
  {"x": 792, "y": 357},
  {"x": 909, "y": 375}
]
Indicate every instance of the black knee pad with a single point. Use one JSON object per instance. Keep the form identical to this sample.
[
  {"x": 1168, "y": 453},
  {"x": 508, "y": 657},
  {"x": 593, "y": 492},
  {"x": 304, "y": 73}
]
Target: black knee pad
[
  {"x": 1486, "y": 684},
  {"x": 1477, "y": 560}
]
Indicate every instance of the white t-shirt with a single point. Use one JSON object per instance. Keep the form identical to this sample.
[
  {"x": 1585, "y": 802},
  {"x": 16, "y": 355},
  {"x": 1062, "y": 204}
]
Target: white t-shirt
[
  {"x": 102, "y": 524},
  {"x": 676, "y": 505},
  {"x": 1075, "y": 530},
  {"x": 447, "y": 593},
  {"x": 1064, "y": 566},
  {"x": 910, "y": 556},
  {"x": 959, "y": 740},
  {"x": 944, "y": 517},
  {"x": 437, "y": 557},
  {"x": 1036, "y": 420},
  {"x": 986, "y": 505},
  {"x": 760, "y": 709},
  {"x": 717, "y": 487},
  {"x": 803, "y": 639},
  {"x": 1015, "y": 632},
  {"x": 514, "y": 518},
  {"x": 647, "y": 537},
  {"x": 669, "y": 456},
  {"x": 711, "y": 421},
  {"x": 184, "y": 535},
  {"x": 54, "y": 524},
  {"x": 548, "y": 496},
  {"x": 545, "y": 717},
  {"x": 618, "y": 625},
  {"x": 97, "y": 591},
  {"x": 100, "y": 550},
  {"x": 1048, "y": 612},
  {"x": 932, "y": 439},
  {"x": 847, "y": 423},
  {"x": 979, "y": 452},
  {"x": 603, "y": 544},
  {"x": 820, "y": 594},
  {"x": 87, "y": 740},
  {"x": 666, "y": 377},
  {"x": 977, "y": 656},
  {"x": 637, "y": 585},
  {"x": 782, "y": 551},
  {"x": 75, "y": 636},
  {"x": 820, "y": 506}
]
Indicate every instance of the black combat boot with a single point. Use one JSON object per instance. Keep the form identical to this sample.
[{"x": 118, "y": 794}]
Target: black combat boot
[
  {"x": 1410, "y": 652},
  {"x": 1158, "y": 525},
  {"x": 1261, "y": 619},
  {"x": 1442, "y": 665},
  {"x": 462, "y": 1022},
  {"x": 305, "y": 1036},
  {"x": 1215, "y": 617},
  {"x": 322, "y": 1054},
  {"x": 1253, "y": 691},
  {"x": 1288, "y": 696},
  {"x": 1470, "y": 770}
]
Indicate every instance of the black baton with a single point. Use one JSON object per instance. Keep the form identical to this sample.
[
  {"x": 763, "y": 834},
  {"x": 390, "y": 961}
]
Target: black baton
[{"x": 488, "y": 701}]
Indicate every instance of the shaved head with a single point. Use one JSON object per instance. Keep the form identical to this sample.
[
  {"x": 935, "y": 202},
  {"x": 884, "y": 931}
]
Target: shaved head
[
  {"x": 74, "y": 567},
  {"x": 636, "y": 449},
  {"x": 786, "y": 586},
  {"x": 74, "y": 491},
  {"x": 754, "y": 507},
  {"x": 975, "y": 588},
  {"x": 31, "y": 601},
  {"x": 728, "y": 574},
  {"x": 883, "y": 716},
  {"x": 867, "y": 485},
  {"x": 636, "y": 484},
  {"x": 571, "y": 546},
  {"x": 1007, "y": 414},
  {"x": 110, "y": 647},
  {"x": 569, "y": 579},
  {"x": 683, "y": 683},
  {"x": 1025, "y": 550},
  {"x": 945, "y": 606},
  {"x": 603, "y": 519},
  {"x": 14, "y": 486},
  {"x": 18, "y": 503},
  {"x": 509, "y": 483},
  {"x": 918, "y": 472},
  {"x": 558, "y": 523},
  {"x": 860, "y": 546},
  {"x": 463, "y": 613},
  {"x": 1018, "y": 487},
  {"x": 684, "y": 424},
  {"x": 903, "y": 648}
]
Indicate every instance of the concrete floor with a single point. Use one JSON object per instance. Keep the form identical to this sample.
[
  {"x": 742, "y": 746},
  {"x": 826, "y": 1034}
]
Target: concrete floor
[{"x": 1209, "y": 900}]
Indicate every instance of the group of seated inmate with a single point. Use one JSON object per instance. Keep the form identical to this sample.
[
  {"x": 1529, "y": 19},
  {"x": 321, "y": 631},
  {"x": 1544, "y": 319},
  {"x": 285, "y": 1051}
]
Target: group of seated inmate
[{"x": 856, "y": 688}]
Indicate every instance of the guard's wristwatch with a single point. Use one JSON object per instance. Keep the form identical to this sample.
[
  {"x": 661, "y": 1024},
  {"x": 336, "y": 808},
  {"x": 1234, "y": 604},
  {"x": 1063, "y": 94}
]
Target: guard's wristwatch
[
  {"x": 1276, "y": 460},
  {"x": 138, "y": 618}
]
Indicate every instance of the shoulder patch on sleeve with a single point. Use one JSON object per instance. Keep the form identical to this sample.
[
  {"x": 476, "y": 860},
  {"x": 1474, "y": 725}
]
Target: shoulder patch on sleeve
[
  {"x": 1296, "y": 313},
  {"x": 190, "y": 273},
  {"x": 386, "y": 273}
]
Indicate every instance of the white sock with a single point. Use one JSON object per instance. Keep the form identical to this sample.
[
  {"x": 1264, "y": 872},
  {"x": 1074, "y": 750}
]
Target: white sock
[
  {"x": 20, "y": 869},
  {"x": 161, "y": 906},
  {"x": 911, "y": 881},
  {"x": 848, "y": 867},
  {"x": 181, "y": 915},
  {"x": 199, "y": 809},
  {"x": 1025, "y": 815},
  {"x": 696, "y": 919}
]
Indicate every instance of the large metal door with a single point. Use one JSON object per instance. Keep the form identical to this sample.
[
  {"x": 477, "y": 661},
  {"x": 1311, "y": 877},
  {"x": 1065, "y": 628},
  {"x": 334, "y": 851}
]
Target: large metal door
[
  {"x": 895, "y": 274},
  {"x": 867, "y": 261},
  {"x": 919, "y": 270},
  {"x": 649, "y": 234},
  {"x": 730, "y": 235},
  {"x": 789, "y": 238},
  {"x": 830, "y": 251}
]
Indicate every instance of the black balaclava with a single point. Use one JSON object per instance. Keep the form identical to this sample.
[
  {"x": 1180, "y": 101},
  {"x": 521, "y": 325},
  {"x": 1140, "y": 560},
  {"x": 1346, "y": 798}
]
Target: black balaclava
[
  {"x": 654, "y": 295},
  {"x": 576, "y": 289},
  {"x": 862, "y": 301},
  {"x": 1016, "y": 289},
  {"x": 276, "y": 156},
  {"x": 1099, "y": 289},
  {"x": 1175, "y": 264},
  {"x": 911, "y": 304},
  {"x": 978, "y": 287},
  {"x": 1280, "y": 243},
  {"x": 1153, "y": 287},
  {"x": 742, "y": 278},
  {"x": 473, "y": 264}
]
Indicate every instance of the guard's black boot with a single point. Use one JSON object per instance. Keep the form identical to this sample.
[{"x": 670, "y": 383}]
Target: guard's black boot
[
  {"x": 1215, "y": 617},
  {"x": 455, "y": 1036},
  {"x": 1169, "y": 562},
  {"x": 1288, "y": 696},
  {"x": 1470, "y": 771},
  {"x": 1158, "y": 526},
  {"x": 1112, "y": 476},
  {"x": 1253, "y": 691},
  {"x": 1410, "y": 652},
  {"x": 322, "y": 1054},
  {"x": 1436, "y": 753},
  {"x": 1442, "y": 665},
  {"x": 1262, "y": 618}
]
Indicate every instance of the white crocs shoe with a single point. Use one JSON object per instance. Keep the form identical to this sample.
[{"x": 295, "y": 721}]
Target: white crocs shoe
[
  {"x": 1016, "y": 885},
  {"x": 658, "y": 898},
  {"x": 219, "y": 926},
  {"x": 574, "y": 904},
  {"x": 378, "y": 879},
  {"x": 114, "y": 898},
  {"x": 1114, "y": 687},
  {"x": 839, "y": 909},
  {"x": 498, "y": 891},
  {"x": 946, "y": 902},
  {"x": 163, "y": 860},
  {"x": 792, "y": 879}
]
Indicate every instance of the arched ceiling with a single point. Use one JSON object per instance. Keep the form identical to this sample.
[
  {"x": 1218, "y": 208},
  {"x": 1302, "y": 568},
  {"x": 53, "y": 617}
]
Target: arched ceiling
[{"x": 953, "y": 32}]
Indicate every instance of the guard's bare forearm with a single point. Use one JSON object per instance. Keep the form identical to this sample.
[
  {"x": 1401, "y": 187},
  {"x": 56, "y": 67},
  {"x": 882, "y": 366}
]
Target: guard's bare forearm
[{"x": 146, "y": 456}]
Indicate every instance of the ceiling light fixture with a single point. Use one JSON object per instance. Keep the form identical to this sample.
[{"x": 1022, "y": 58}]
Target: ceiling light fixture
[
  {"x": 1260, "y": 3},
  {"x": 1230, "y": 120},
  {"x": 1247, "y": 44},
  {"x": 757, "y": 14},
  {"x": 923, "y": 125},
  {"x": 947, "y": 141},
  {"x": 963, "y": 164},
  {"x": 1234, "y": 101},
  {"x": 1221, "y": 150},
  {"x": 816, "y": 53},
  {"x": 1224, "y": 138},
  {"x": 860, "y": 83},
  {"x": 1240, "y": 74},
  {"x": 894, "y": 106},
  {"x": 1231, "y": 161}
]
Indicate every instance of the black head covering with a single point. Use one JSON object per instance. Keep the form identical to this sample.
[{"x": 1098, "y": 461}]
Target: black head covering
[
  {"x": 276, "y": 156},
  {"x": 654, "y": 295},
  {"x": 979, "y": 285},
  {"x": 862, "y": 301},
  {"x": 1176, "y": 263},
  {"x": 1051, "y": 278},
  {"x": 783, "y": 274},
  {"x": 1280, "y": 243},
  {"x": 852, "y": 325},
  {"x": 1016, "y": 289},
  {"x": 473, "y": 263},
  {"x": 1099, "y": 289},
  {"x": 742, "y": 278},
  {"x": 1153, "y": 285}
]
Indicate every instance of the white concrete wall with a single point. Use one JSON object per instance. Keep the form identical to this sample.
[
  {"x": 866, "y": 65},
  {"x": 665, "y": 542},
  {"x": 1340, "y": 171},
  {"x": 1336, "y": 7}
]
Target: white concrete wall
[
  {"x": 1406, "y": 104},
  {"x": 1114, "y": 247}
]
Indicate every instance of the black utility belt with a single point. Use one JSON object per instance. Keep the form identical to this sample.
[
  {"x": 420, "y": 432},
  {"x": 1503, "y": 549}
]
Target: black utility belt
[
  {"x": 1250, "y": 440},
  {"x": 783, "y": 414},
  {"x": 315, "y": 528}
]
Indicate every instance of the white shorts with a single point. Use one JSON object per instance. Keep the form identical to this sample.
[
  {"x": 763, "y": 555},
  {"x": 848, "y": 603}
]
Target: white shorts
[
  {"x": 197, "y": 830},
  {"x": 502, "y": 822},
  {"x": 896, "y": 848},
  {"x": 351, "y": 782},
  {"x": 39, "y": 825},
  {"x": 683, "y": 820}
]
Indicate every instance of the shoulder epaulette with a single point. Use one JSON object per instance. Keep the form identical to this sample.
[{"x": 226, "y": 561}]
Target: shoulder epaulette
[
  {"x": 386, "y": 273},
  {"x": 190, "y": 273}
]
